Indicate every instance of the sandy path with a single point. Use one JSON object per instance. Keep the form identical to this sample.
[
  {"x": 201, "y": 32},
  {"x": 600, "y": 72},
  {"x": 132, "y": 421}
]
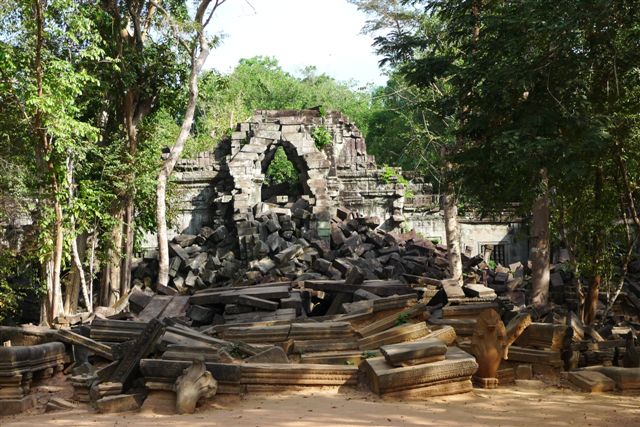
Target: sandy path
[{"x": 520, "y": 407}]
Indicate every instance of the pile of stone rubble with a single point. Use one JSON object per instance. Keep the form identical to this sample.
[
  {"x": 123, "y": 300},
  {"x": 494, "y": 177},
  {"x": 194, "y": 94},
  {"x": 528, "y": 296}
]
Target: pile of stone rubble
[{"x": 271, "y": 306}]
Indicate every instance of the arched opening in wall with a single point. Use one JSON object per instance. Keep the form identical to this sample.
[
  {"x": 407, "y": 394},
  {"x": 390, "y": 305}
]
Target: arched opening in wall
[{"x": 285, "y": 175}]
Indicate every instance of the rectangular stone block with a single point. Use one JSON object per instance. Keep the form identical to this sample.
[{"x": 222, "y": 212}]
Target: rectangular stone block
[
  {"x": 591, "y": 381},
  {"x": 268, "y": 134},
  {"x": 119, "y": 403},
  {"x": 17, "y": 406}
]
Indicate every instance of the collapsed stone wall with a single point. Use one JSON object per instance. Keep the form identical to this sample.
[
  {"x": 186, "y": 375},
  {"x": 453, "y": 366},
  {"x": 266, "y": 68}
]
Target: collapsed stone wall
[{"x": 223, "y": 186}]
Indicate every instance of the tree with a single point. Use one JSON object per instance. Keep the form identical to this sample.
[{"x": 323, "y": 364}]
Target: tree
[
  {"x": 40, "y": 51},
  {"x": 407, "y": 40},
  {"x": 548, "y": 90},
  {"x": 145, "y": 66},
  {"x": 198, "y": 47}
]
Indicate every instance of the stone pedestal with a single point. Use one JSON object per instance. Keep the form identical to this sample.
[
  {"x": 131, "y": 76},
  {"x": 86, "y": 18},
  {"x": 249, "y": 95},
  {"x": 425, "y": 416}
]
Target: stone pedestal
[
  {"x": 484, "y": 382},
  {"x": 16, "y": 406}
]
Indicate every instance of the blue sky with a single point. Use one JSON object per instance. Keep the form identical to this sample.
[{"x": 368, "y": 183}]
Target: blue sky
[{"x": 323, "y": 33}]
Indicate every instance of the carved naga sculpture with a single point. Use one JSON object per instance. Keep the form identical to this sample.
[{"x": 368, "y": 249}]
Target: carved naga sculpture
[
  {"x": 490, "y": 344},
  {"x": 195, "y": 383}
]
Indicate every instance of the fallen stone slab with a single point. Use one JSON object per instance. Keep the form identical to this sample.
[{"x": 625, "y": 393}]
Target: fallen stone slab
[
  {"x": 296, "y": 375},
  {"x": 321, "y": 330},
  {"x": 99, "y": 349},
  {"x": 467, "y": 311},
  {"x": 108, "y": 330},
  {"x": 543, "y": 335},
  {"x": 231, "y": 296},
  {"x": 477, "y": 290},
  {"x": 442, "y": 388},
  {"x": 271, "y": 355},
  {"x": 258, "y": 334},
  {"x": 262, "y": 304},
  {"x": 446, "y": 334},
  {"x": 414, "y": 353},
  {"x": 541, "y": 357},
  {"x": 119, "y": 403},
  {"x": 462, "y": 327},
  {"x": 59, "y": 404},
  {"x": 392, "y": 320},
  {"x": 384, "y": 378},
  {"x": 591, "y": 381},
  {"x": 324, "y": 345},
  {"x": 626, "y": 379},
  {"x": 401, "y": 333},
  {"x": 338, "y": 357}
]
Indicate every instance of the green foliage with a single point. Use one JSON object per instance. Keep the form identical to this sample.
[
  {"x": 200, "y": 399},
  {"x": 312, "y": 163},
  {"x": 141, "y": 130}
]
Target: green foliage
[
  {"x": 321, "y": 137},
  {"x": 157, "y": 132},
  {"x": 260, "y": 83},
  {"x": 544, "y": 85},
  {"x": 402, "y": 319},
  {"x": 389, "y": 173},
  {"x": 367, "y": 354},
  {"x": 18, "y": 277},
  {"x": 281, "y": 170}
]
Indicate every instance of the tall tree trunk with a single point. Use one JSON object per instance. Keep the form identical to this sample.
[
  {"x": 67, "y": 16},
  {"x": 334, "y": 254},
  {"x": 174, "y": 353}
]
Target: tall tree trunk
[
  {"x": 591, "y": 302},
  {"x": 43, "y": 155},
  {"x": 540, "y": 248},
  {"x": 77, "y": 281},
  {"x": 131, "y": 105},
  {"x": 128, "y": 236},
  {"x": 452, "y": 230},
  {"x": 161, "y": 220},
  {"x": 199, "y": 51},
  {"x": 170, "y": 162},
  {"x": 112, "y": 291}
]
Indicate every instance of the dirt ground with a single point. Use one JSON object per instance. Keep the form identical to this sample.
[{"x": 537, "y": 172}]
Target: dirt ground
[{"x": 508, "y": 406}]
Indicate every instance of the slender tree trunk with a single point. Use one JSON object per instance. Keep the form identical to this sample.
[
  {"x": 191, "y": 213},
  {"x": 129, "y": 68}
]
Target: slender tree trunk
[
  {"x": 128, "y": 235},
  {"x": 53, "y": 279},
  {"x": 92, "y": 257},
  {"x": 161, "y": 219},
  {"x": 115, "y": 259},
  {"x": 105, "y": 289},
  {"x": 591, "y": 302},
  {"x": 540, "y": 250},
  {"x": 43, "y": 154},
  {"x": 79, "y": 272},
  {"x": 452, "y": 230},
  {"x": 77, "y": 280},
  {"x": 199, "y": 52},
  {"x": 78, "y": 249},
  {"x": 170, "y": 162}
]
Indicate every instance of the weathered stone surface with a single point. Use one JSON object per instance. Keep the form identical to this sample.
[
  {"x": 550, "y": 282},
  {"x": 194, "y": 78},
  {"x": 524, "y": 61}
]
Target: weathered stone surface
[
  {"x": 591, "y": 381},
  {"x": 271, "y": 355},
  {"x": 17, "y": 406},
  {"x": 384, "y": 378},
  {"x": 626, "y": 379},
  {"x": 119, "y": 403},
  {"x": 414, "y": 353}
]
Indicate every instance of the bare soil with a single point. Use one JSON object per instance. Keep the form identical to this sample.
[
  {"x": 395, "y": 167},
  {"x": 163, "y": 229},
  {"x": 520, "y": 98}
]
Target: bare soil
[{"x": 508, "y": 406}]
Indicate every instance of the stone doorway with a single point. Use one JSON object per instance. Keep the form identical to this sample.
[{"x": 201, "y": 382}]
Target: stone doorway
[{"x": 285, "y": 178}]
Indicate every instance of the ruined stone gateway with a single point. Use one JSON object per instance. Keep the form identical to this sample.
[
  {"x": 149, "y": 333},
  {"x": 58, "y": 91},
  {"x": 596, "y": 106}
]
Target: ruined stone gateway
[{"x": 226, "y": 186}]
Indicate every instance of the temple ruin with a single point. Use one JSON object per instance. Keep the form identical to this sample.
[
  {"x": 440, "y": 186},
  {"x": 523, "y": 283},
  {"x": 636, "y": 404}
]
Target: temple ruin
[{"x": 225, "y": 186}]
